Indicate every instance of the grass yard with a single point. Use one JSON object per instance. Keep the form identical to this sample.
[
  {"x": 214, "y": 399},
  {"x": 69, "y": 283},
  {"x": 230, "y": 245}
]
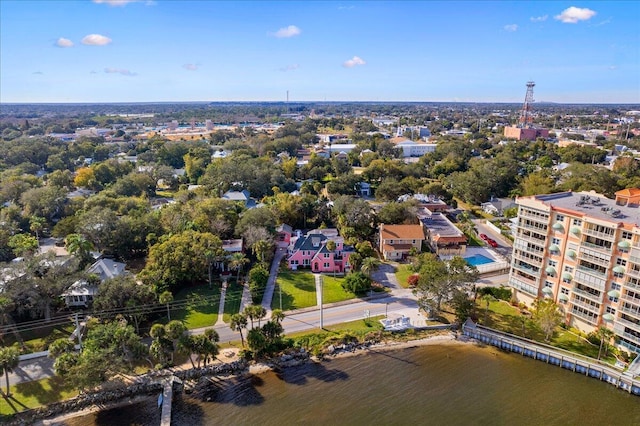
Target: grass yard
[
  {"x": 232, "y": 301},
  {"x": 298, "y": 290},
  {"x": 39, "y": 340},
  {"x": 35, "y": 394},
  {"x": 333, "y": 291},
  {"x": 504, "y": 317},
  {"x": 356, "y": 327},
  {"x": 402, "y": 274},
  {"x": 201, "y": 308}
]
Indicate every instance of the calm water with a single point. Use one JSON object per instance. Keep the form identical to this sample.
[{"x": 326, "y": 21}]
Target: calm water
[{"x": 433, "y": 385}]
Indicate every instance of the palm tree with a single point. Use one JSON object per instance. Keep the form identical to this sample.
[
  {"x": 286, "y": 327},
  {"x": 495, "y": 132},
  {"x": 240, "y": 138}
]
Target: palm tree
[
  {"x": 369, "y": 265},
  {"x": 36, "y": 224},
  {"x": 255, "y": 312},
  {"x": 237, "y": 262},
  {"x": 166, "y": 297},
  {"x": 605, "y": 336},
  {"x": 78, "y": 244},
  {"x": 8, "y": 362},
  {"x": 260, "y": 249},
  {"x": 488, "y": 298},
  {"x": 277, "y": 315},
  {"x": 237, "y": 323}
]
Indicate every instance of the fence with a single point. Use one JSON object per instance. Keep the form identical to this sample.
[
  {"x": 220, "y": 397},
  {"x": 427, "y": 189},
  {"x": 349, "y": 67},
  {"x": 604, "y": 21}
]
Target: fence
[{"x": 583, "y": 365}]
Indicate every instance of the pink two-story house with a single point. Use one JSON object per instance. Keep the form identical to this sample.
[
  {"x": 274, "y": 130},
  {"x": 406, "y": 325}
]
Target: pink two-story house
[{"x": 310, "y": 251}]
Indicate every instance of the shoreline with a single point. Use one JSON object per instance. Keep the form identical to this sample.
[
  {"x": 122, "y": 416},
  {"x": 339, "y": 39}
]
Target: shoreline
[{"x": 265, "y": 367}]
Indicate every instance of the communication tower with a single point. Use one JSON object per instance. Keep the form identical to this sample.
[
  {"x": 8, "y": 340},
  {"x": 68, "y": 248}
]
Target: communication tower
[{"x": 526, "y": 119}]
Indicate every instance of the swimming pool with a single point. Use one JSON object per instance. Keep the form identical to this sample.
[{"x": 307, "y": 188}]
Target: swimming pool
[{"x": 478, "y": 259}]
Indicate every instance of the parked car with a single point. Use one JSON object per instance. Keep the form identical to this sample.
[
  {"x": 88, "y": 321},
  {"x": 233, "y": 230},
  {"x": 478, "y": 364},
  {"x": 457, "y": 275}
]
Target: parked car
[
  {"x": 484, "y": 237},
  {"x": 492, "y": 243}
]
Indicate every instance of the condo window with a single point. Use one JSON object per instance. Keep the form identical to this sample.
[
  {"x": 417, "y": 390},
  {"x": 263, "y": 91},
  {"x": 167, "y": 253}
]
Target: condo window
[
  {"x": 626, "y": 235},
  {"x": 555, "y": 240},
  {"x": 611, "y": 310},
  {"x": 559, "y": 218},
  {"x": 621, "y": 262},
  {"x": 577, "y": 222},
  {"x": 615, "y": 286}
]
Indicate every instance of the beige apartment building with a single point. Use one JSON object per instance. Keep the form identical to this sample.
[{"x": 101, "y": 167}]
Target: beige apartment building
[{"x": 582, "y": 250}]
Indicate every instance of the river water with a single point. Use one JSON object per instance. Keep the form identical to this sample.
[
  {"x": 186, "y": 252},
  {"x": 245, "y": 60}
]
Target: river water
[{"x": 429, "y": 385}]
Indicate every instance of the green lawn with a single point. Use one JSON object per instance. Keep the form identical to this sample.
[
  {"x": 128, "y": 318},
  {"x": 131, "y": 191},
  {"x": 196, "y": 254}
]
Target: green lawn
[
  {"x": 402, "y": 273},
  {"x": 202, "y": 306},
  {"x": 357, "y": 327},
  {"x": 35, "y": 394},
  {"x": 232, "y": 301},
  {"x": 298, "y": 290},
  {"x": 333, "y": 291},
  {"x": 39, "y": 340},
  {"x": 504, "y": 317}
]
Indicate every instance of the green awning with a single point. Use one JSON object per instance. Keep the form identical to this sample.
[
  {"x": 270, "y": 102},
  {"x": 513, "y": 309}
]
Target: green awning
[
  {"x": 575, "y": 230},
  {"x": 608, "y": 317},
  {"x": 554, "y": 247},
  {"x": 619, "y": 269},
  {"x": 550, "y": 270},
  {"x": 571, "y": 253},
  {"x": 566, "y": 276},
  {"x": 613, "y": 293},
  {"x": 624, "y": 244},
  {"x": 558, "y": 226},
  {"x": 547, "y": 291},
  {"x": 563, "y": 297}
]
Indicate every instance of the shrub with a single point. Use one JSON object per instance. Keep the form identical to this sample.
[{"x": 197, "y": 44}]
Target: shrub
[
  {"x": 356, "y": 283},
  {"x": 500, "y": 293},
  {"x": 412, "y": 280}
]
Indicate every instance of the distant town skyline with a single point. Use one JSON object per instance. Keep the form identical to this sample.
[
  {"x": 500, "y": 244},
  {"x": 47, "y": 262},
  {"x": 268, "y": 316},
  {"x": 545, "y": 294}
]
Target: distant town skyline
[{"x": 163, "y": 51}]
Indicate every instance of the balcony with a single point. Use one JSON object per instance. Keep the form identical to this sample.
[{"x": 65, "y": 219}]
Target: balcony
[
  {"x": 539, "y": 218},
  {"x": 524, "y": 284},
  {"x": 590, "y": 296},
  {"x": 604, "y": 249},
  {"x": 539, "y": 230},
  {"x": 537, "y": 262},
  {"x": 591, "y": 308},
  {"x": 632, "y": 286},
  {"x": 530, "y": 239},
  {"x": 593, "y": 272},
  {"x": 593, "y": 259},
  {"x": 619, "y": 330},
  {"x": 598, "y": 234},
  {"x": 527, "y": 269},
  {"x": 632, "y": 325},
  {"x": 584, "y": 316},
  {"x": 629, "y": 299},
  {"x": 630, "y": 311},
  {"x": 633, "y": 272}
]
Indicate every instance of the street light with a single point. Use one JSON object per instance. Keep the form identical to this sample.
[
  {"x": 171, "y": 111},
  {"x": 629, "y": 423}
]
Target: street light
[
  {"x": 386, "y": 309},
  {"x": 321, "y": 302}
]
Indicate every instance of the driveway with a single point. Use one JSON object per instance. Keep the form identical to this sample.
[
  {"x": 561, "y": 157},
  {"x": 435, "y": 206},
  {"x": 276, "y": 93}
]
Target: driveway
[{"x": 386, "y": 276}]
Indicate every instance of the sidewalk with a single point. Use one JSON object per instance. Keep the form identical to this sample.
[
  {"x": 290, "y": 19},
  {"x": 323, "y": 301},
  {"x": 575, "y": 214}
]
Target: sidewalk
[{"x": 271, "y": 283}]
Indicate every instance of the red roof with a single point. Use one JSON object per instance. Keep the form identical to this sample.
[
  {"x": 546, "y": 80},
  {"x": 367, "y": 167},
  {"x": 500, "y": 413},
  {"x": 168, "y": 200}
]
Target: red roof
[{"x": 629, "y": 192}]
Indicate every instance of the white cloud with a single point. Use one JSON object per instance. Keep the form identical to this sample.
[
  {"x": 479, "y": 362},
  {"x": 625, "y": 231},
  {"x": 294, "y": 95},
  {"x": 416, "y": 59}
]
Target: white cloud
[
  {"x": 96, "y": 40},
  {"x": 38, "y": 72},
  {"x": 511, "y": 27},
  {"x": 286, "y": 32},
  {"x": 613, "y": 67},
  {"x": 346, "y": 7},
  {"x": 356, "y": 60},
  {"x": 290, "y": 67},
  {"x": 605, "y": 22},
  {"x": 539, "y": 18},
  {"x": 574, "y": 14},
  {"x": 119, "y": 71},
  {"x": 64, "y": 42},
  {"x": 190, "y": 67}
]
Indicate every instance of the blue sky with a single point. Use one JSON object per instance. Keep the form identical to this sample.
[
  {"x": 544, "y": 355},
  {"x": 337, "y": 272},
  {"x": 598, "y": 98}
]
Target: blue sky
[{"x": 146, "y": 51}]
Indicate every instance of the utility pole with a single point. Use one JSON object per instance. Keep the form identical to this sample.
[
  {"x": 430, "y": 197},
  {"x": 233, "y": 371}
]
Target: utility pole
[
  {"x": 75, "y": 317},
  {"x": 321, "y": 302}
]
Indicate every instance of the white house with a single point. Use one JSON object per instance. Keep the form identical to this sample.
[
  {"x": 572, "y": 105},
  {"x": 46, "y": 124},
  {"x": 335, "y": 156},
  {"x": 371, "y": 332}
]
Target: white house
[{"x": 81, "y": 293}]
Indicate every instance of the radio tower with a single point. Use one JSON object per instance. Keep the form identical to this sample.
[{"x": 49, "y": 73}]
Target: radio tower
[{"x": 526, "y": 119}]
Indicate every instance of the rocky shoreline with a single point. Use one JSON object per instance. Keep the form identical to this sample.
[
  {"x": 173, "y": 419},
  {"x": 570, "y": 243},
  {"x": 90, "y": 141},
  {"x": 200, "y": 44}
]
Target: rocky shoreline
[{"x": 195, "y": 380}]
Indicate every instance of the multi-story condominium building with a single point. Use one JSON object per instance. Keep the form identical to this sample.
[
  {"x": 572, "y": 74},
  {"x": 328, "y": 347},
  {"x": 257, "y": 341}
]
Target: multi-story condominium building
[{"x": 582, "y": 250}]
